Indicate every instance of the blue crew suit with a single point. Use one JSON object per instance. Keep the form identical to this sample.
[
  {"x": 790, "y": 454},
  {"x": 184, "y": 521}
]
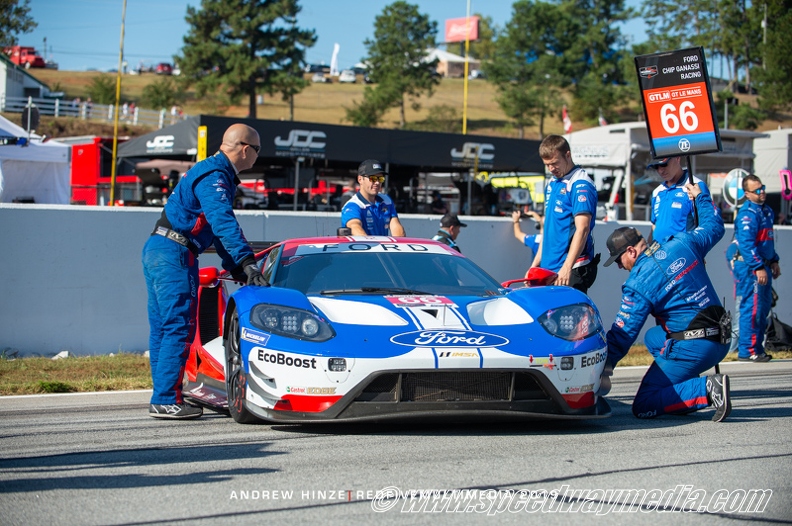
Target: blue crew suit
[
  {"x": 672, "y": 209},
  {"x": 566, "y": 197},
  {"x": 752, "y": 250},
  {"x": 669, "y": 282},
  {"x": 201, "y": 210},
  {"x": 376, "y": 216}
]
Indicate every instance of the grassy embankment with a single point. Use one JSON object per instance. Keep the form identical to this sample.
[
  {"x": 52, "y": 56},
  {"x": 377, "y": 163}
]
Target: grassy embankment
[
  {"x": 127, "y": 371},
  {"x": 326, "y": 103}
]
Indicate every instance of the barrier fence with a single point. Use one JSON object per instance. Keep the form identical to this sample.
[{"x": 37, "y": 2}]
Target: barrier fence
[{"x": 87, "y": 110}]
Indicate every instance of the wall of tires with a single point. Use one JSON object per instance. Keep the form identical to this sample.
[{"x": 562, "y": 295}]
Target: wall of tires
[{"x": 72, "y": 278}]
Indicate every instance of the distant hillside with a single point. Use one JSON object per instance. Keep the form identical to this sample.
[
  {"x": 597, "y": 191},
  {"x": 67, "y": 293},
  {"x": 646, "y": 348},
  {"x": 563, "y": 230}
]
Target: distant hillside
[{"x": 326, "y": 103}]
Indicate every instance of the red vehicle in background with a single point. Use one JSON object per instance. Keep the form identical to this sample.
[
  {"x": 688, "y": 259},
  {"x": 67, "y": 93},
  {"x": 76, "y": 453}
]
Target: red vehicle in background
[
  {"x": 91, "y": 170},
  {"x": 25, "y": 57}
]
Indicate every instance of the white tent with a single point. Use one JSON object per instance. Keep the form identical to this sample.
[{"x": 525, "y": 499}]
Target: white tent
[
  {"x": 38, "y": 170},
  {"x": 773, "y": 153}
]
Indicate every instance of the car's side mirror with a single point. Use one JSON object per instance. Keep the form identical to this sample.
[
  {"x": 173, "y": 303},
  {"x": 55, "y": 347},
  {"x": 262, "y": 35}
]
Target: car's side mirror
[{"x": 208, "y": 276}]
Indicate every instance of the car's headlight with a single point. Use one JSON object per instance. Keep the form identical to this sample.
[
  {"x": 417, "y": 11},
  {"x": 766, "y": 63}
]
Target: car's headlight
[
  {"x": 572, "y": 322},
  {"x": 294, "y": 323}
]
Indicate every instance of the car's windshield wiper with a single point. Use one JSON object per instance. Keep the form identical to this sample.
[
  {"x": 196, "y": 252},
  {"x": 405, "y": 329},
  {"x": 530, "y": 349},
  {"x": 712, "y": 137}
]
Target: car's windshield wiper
[{"x": 373, "y": 290}]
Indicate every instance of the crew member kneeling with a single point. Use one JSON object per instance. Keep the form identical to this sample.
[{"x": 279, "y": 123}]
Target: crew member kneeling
[{"x": 669, "y": 281}]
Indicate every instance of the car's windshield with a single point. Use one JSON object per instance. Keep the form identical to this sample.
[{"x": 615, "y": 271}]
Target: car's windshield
[{"x": 376, "y": 273}]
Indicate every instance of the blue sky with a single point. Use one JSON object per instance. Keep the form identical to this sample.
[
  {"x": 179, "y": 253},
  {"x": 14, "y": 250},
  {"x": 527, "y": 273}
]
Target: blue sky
[{"x": 85, "y": 34}]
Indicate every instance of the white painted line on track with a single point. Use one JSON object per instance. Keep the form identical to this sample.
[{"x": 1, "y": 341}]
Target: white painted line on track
[{"x": 46, "y": 395}]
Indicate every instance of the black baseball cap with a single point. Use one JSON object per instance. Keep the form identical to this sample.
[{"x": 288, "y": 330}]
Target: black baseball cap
[
  {"x": 371, "y": 167},
  {"x": 451, "y": 220},
  {"x": 619, "y": 240},
  {"x": 658, "y": 162}
]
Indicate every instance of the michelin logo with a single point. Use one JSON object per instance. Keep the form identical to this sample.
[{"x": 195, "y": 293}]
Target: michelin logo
[{"x": 254, "y": 336}]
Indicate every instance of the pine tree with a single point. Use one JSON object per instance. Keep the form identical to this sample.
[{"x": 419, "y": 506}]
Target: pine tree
[
  {"x": 397, "y": 58},
  {"x": 14, "y": 19},
  {"x": 244, "y": 48}
]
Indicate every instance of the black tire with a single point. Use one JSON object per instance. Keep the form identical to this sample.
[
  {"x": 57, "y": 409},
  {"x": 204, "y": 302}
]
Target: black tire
[{"x": 236, "y": 382}]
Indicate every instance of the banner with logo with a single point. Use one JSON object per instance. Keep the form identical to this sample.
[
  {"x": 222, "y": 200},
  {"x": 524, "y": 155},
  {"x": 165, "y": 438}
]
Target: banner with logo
[
  {"x": 344, "y": 147},
  {"x": 677, "y": 102}
]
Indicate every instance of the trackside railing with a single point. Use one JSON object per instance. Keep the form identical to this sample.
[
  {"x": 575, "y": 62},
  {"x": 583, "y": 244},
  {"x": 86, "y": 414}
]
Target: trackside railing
[{"x": 87, "y": 110}]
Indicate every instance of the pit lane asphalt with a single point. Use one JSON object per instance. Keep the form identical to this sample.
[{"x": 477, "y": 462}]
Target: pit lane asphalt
[{"x": 99, "y": 459}]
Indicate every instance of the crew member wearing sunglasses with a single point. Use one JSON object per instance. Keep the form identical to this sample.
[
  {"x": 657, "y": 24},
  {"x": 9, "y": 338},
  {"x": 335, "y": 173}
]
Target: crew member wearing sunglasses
[
  {"x": 754, "y": 263},
  {"x": 370, "y": 213},
  {"x": 672, "y": 208}
]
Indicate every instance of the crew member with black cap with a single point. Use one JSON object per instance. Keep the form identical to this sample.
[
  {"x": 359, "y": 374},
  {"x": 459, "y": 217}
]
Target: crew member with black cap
[
  {"x": 450, "y": 226},
  {"x": 370, "y": 213},
  {"x": 669, "y": 281},
  {"x": 672, "y": 209},
  {"x": 199, "y": 213}
]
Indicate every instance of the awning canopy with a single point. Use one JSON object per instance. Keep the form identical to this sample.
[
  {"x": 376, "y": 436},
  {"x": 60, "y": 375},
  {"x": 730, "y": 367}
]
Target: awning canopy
[{"x": 344, "y": 147}]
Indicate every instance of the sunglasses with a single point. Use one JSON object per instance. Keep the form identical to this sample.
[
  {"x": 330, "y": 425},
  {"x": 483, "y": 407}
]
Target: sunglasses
[
  {"x": 758, "y": 191},
  {"x": 619, "y": 259},
  {"x": 255, "y": 147},
  {"x": 375, "y": 178}
]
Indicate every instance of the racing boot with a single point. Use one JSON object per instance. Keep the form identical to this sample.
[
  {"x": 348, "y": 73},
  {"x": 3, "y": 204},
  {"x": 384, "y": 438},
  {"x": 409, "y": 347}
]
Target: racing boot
[
  {"x": 718, "y": 396},
  {"x": 175, "y": 411}
]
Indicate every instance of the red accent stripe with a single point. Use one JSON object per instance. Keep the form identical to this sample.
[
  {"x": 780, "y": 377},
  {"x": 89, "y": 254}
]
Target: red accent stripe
[
  {"x": 686, "y": 404},
  {"x": 752, "y": 347},
  {"x": 306, "y": 404},
  {"x": 576, "y": 401}
]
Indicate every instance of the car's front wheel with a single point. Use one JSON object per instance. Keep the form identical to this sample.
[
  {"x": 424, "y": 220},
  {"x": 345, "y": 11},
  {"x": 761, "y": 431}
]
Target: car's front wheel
[{"x": 236, "y": 380}]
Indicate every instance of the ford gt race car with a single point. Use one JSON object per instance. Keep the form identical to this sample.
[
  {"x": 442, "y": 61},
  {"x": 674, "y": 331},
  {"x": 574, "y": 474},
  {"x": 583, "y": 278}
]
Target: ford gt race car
[{"x": 372, "y": 328}]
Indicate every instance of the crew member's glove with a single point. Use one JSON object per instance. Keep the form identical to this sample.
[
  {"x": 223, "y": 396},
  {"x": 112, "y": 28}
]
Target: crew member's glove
[
  {"x": 254, "y": 276},
  {"x": 239, "y": 274}
]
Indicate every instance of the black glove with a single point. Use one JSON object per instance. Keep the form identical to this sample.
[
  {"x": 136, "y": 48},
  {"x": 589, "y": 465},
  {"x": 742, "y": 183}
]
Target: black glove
[
  {"x": 254, "y": 276},
  {"x": 239, "y": 274}
]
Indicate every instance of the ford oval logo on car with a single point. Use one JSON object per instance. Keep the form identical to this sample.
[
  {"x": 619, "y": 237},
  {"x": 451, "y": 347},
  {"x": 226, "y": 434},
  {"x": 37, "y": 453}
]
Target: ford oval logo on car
[
  {"x": 676, "y": 266},
  {"x": 448, "y": 338}
]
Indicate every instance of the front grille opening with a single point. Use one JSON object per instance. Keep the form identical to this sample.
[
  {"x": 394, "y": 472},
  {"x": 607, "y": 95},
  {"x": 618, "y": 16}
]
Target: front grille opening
[
  {"x": 381, "y": 389},
  {"x": 455, "y": 386},
  {"x": 527, "y": 388}
]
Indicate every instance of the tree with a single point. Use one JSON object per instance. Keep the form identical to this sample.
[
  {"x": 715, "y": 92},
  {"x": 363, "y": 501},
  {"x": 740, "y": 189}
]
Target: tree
[
  {"x": 397, "y": 62},
  {"x": 14, "y": 19},
  {"x": 526, "y": 64},
  {"x": 163, "y": 93},
  {"x": 772, "y": 80},
  {"x": 371, "y": 110},
  {"x": 103, "y": 89},
  {"x": 727, "y": 29},
  {"x": 241, "y": 46},
  {"x": 593, "y": 50},
  {"x": 289, "y": 80}
]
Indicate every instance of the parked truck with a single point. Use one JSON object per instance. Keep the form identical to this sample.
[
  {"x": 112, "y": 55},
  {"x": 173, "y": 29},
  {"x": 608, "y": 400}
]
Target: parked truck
[{"x": 25, "y": 56}]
